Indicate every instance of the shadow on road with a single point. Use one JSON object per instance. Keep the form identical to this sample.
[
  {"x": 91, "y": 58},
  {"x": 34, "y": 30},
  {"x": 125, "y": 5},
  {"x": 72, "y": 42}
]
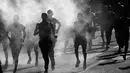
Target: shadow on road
[
  {"x": 19, "y": 68},
  {"x": 107, "y": 56},
  {"x": 110, "y": 62},
  {"x": 111, "y": 41},
  {"x": 93, "y": 50},
  {"x": 110, "y": 54},
  {"x": 35, "y": 72},
  {"x": 124, "y": 68}
]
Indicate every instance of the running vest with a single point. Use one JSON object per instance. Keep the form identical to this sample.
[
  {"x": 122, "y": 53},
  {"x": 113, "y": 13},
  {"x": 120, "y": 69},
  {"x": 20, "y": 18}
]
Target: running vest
[{"x": 45, "y": 29}]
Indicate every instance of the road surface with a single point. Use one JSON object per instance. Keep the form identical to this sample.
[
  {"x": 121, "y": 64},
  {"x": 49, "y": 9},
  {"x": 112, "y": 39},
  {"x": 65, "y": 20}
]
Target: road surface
[{"x": 65, "y": 63}]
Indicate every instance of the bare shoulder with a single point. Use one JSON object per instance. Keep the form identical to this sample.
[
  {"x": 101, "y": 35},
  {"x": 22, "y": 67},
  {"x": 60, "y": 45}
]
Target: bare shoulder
[
  {"x": 22, "y": 26},
  {"x": 54, "y": 19}
]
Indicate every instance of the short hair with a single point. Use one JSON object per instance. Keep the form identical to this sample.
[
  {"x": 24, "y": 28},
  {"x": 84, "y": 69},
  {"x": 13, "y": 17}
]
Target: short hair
[
  {"x": 49, "y": 11},
  {"x": 44, "y": 15}
]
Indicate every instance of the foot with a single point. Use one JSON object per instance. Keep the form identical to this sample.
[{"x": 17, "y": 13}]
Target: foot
[
  {"x": 52, "y": 67},
  {"x": 119, "y": 52},
  {"x": 14, "y": 71},
  {"x": 107, "y": 47},
  {"x": 29, "y": 61},
  {"x": 84, "y": 66},
  {"x": 124, "y": 57},
  {"x": 36, "y": 63},
  {"x": 104, "y": 50},
  {"x": 46, "y": 71},
  {"x": 77, "y": 63},
  {"x": 5, "y": 66}
]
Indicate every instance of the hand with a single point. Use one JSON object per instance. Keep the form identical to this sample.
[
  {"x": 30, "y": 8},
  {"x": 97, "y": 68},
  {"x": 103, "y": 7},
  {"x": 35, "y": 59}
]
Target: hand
[
  {"x": 22, "y": 40},
  {"x": 56, "y": 31},
  {"x": 55, "y": 36},
  {"x": 9, "y": 38}
]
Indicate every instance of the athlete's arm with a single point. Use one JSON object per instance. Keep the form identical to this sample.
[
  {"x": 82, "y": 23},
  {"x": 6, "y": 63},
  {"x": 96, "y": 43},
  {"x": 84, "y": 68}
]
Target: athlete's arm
[
  {"x": 24, "y": 33},
  {"x": 36, "y": 31},
  {"x": 59, "y": 26},
  {"x": 8, "y": 29}
]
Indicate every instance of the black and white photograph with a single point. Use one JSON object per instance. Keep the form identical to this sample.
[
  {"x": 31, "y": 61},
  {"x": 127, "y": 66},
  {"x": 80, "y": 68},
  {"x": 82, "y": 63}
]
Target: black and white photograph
[{"x": 64, "y": 36}]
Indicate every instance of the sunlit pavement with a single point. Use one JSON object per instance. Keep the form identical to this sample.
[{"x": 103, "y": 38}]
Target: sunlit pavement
[
  {"x": 64, "y": 64},
  {"x": 111, "y": 65}
]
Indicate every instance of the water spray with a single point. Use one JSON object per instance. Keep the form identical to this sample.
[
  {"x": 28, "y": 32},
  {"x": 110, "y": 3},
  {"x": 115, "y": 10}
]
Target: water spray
[{"x": 29, "y": 12}]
